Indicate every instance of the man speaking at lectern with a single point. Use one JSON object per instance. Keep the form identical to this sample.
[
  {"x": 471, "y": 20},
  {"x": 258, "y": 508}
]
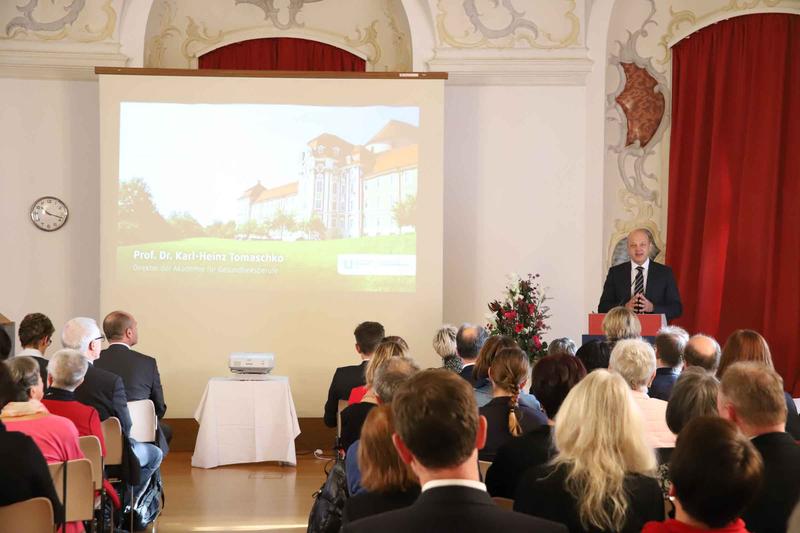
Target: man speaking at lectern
[{"x": 641, "y": 285}]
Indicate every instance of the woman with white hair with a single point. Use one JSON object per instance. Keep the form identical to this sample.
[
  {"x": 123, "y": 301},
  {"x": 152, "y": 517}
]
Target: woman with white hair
[
  {"x": 601, "y": 479},
  {"x": 444, "y": 344},
  {"x": 635, "y": 361}
]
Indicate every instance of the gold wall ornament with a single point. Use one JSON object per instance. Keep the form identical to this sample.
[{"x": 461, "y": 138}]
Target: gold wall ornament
[
  {"x": 367, "y": 37},
  {"x": 401, "y": 44},
  {"x": 196, "y": 33},
  {"x": 156, "y": 46}
]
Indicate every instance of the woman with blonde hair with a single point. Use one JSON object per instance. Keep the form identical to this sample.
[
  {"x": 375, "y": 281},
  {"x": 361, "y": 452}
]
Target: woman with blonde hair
[
  {"x": 621, "y": 323},
  {"x": 748, "y": 345},
  {"x": 385, "y": 350},
  {"x": 505, "y": 416},
  {"x": 388, "y": 482},
  {"x": 444, "y": 344},
  {"x": 601, "y": 479}
]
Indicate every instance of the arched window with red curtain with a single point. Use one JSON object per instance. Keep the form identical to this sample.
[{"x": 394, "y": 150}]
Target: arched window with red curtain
[{"x": 282, "y": 53}]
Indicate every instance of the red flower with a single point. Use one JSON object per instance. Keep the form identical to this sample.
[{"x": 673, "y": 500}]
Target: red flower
[
  {"x": 518, "y": 327},
  {"x": 510, "y": 315},
  {"x": 531, "y": 309},
  {"x": 536, "y": 341}
]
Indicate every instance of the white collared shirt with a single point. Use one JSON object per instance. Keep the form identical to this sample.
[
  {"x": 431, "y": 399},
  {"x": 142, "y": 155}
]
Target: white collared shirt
[
  {"x": 32, "y": 352},
  {"x": 646, "y": 266},
  {"x": 120, "y": 343},
  {"x": 436, "y": 483}
]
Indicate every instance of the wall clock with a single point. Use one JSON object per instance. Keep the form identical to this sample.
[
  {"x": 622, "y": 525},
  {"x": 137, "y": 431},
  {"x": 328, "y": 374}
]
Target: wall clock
[{"x": 48, "y": 213}]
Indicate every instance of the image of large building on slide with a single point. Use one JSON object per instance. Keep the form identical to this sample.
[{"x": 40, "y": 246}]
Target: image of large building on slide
[{"x": 351, "y": 189}]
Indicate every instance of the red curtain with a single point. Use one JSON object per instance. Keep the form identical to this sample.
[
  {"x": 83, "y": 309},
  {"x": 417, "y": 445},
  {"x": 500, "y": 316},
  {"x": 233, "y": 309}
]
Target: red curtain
[
  {"x": 734, "y": 182},
  {"x": 282, "y": 53}
]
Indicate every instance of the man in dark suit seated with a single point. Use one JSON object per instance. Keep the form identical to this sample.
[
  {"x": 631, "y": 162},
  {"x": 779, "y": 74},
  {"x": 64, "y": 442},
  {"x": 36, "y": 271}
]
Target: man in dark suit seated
[
  {"x": 438, "y": 433},
  {"x": 368, "y": 336},
  {"x": 105, "y": 391},
  {"x": 641, "y": 285},
  {"x": 35, "y": 335},
  {"x": 751, "y": 396},
  {"x": 670, "y": 343},
  {"x": 139, "y": 372},
  {"x": 469, "y": 341}
]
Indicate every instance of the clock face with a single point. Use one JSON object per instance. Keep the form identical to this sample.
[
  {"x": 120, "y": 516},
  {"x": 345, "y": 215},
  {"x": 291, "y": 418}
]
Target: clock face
[{"x": 49, "y": 213}]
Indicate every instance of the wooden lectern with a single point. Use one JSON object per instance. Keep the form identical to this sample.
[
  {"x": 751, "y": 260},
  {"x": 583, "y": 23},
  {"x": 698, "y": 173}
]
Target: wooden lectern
[
  {"x": 650, "y": 323},
  {"x": 8, "y": 325}
]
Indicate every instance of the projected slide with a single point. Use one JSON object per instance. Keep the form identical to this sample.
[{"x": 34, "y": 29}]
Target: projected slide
[{"x": 268, "y": 196}]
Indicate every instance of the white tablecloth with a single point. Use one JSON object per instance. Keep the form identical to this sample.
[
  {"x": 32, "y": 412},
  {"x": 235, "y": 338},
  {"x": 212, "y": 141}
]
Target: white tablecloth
[{"x": 245, "y": 421}]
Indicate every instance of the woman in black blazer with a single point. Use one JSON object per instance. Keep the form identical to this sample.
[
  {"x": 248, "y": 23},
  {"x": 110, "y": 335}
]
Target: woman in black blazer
[
  {"x": 388, "y": 482},
  {"x": 602, "y": 478},
  {"x": 505, "y": 417}
]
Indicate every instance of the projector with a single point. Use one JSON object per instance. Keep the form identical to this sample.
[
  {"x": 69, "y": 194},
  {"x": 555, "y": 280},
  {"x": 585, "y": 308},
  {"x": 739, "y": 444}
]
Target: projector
[{"x": 251, "y": 363}]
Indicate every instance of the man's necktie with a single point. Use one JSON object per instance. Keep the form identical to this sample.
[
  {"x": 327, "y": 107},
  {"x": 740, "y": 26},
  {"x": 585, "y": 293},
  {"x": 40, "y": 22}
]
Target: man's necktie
[{"x": 638, "y": 286}]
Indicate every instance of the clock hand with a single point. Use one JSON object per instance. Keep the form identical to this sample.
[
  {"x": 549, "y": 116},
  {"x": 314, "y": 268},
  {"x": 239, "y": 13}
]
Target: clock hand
[{"x": 53, "y": 215}]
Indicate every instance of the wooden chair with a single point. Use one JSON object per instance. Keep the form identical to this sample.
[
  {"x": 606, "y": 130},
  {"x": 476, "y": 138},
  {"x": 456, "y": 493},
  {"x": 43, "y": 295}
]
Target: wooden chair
[
  {"x": 32, "y": 516},
  {"x": 90, "y": 446},
  {"x": 341, "y": 407},
  {"x": 483, "y": 466},
  {"x": 505, "y": 503},
  {"x": 76, "y": 478},
  {"x": 112, "y": 434},
  {"x": 144, "y": 420}
]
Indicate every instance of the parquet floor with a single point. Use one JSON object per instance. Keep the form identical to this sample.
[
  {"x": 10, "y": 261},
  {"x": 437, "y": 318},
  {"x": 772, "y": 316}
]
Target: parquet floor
[{"x": 251, "y": 497}]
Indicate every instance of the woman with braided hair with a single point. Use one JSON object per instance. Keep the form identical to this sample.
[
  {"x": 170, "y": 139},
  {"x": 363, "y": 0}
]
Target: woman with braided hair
[{"x": 505, "y": 416}]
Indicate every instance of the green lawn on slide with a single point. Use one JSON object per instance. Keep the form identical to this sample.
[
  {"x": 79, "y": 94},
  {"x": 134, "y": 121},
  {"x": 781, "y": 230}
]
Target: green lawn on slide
[{"x": 307, "y": 264}]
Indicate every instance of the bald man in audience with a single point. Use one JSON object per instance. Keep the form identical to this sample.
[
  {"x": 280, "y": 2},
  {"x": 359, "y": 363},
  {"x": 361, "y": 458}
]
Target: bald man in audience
[
  {"x": 751, "y": 396},
  {"x": 438, "y": 433},
  {"x": 469, "y": 341},
  {"x": 139, "y": 372},
  {"x": 702, "y": 351}
]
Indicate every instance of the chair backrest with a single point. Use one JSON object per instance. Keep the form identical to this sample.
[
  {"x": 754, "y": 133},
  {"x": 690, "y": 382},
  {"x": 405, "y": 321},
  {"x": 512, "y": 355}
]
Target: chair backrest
[
  {"x": 90, "y": 446},
  {"x": 505, "y": 503},
  {"x": 33, "y": 516},
  {"x": 112, "y": 435},
  {"x": 341, "y": 407},
  {"x": 79, "y": 501},
  {"x": 483, "y": 466},
  {"x": 143, "y": 420}
]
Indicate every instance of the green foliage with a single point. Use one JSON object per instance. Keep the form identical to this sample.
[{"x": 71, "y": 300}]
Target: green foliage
[
  {"x": 405, "y": 212},
  {"x": 222, "y": 230},
  {"x": 522, "y": 316},
  {"x": 139, "y": 219},
  {"x": 186, "y": 226}
]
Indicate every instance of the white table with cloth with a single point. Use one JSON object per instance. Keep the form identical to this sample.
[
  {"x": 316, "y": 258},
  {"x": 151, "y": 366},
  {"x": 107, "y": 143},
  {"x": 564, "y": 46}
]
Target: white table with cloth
[{"x": 245, "y": 419}]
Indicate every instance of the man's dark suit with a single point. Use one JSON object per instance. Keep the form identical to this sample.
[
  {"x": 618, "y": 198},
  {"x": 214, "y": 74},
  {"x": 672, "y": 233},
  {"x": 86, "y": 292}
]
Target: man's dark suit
[
  {"x": 781, "y": 486},
  {"x": 345, "y": 379},
  {"x": 466, "y": 373},
  {"x": 453, "y": 508},
  {"x": 140, "y": 375},
  {"x": 661, "y": 289},
  {"x": 105, "y": 392}
]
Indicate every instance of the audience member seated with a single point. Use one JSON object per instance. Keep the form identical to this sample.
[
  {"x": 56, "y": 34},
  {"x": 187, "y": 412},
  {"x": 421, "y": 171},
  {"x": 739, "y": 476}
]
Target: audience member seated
[
  {"x": 5, "y": 345},
  {"x": 368, "y": 336},
  {"x": 139, "y": 372},
  {"x": 67, "y": 368},
  {"x": 399, "y": 340},
  {"x": 385, "y": 350},
  {"x": 483, "y": 387},
  {"x": 105, "y": 392},
  {"x": 388, "y": 378},
  {"x": 751, "y": 396},
  {"x": 635, "y": 361},
  {"x": 702, "y": 351},
  {"x": 25, "y": 474},
  {"x": 694, "y": 395},
  {"x": 353, "y": 416},
  {"x": 601, "y": 477},
  {"x": 670, "y": 343},
  {"x": 35, "y": 335},
  {"x": 716, "y": 472},
  {"x": 505, "y": 417},
  {"x": 553, "y": 378},
  {"x": 621, "y": 323},
  {"x": 438, "y": 433},
  {"x": 55, "y": 436},
  {"x": 469, "y": 341},
  {"x": 749, "y": 345},
  {"x": 594, "y": 354},
  {"x": 562, "y": 345},
  {"x": 444, "y": 344},
  {"x": 388, "y": 482}
]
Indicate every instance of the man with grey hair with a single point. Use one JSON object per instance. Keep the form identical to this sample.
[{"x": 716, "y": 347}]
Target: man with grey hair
[
  {"x": 702, "y": 351},
  {"x": 388, "y": 378},
  {"x": 635, "y": 361},
  {"x": 562, "y": 345},
  {"x": 670, "y": 343},
  {"x": 469, "y": 341}
]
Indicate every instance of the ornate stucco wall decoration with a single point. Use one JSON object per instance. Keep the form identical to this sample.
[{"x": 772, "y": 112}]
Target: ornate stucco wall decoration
[
  {"x": 272, "y": 13},
  {"x": 642, "y": 104},
  {"x": 501, "y": 24},
  {"x": 51, "y": 20}
]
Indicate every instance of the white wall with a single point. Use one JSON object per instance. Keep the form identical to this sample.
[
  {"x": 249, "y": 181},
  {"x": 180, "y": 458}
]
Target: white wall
[
  {"x": 49, "y": 146},
  {"x": 514, "y": 198}
]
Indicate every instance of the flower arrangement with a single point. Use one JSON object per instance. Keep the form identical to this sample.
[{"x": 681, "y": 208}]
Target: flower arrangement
[{"x": 522, "y": 315}]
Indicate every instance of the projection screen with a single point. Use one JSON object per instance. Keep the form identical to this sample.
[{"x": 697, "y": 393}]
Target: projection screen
[{"x": 270, "y": 214}]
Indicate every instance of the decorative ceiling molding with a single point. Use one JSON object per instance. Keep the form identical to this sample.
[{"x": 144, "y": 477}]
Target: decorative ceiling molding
[
  {"x": 508, "y": 67},
  {"x": 70, "y": 61}
]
